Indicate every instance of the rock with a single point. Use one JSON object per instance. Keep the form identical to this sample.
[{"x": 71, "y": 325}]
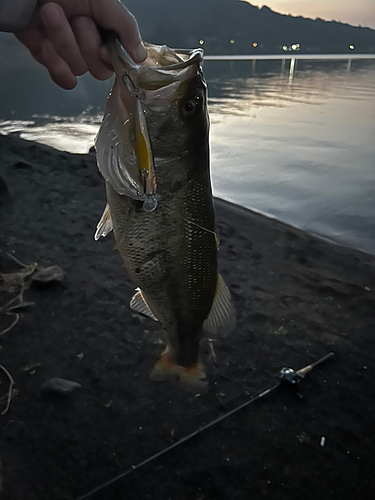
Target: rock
[
  {"x": 59, "y": 387},
  {"x": 47, "y": 274}
]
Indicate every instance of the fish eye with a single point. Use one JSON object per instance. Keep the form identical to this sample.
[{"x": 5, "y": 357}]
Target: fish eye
[{"x": 190, "y": 106}]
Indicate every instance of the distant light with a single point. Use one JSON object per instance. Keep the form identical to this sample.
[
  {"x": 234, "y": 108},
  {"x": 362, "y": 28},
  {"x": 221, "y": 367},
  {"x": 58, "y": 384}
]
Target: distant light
[
  {"x": 255, "y": 44},
  {"x": 285, "y": 48},
  {"x": 232, "y": 41},
  {"x": 201, "y": 42},
  {"x": 294, "y": 46},
  {"x": 298, "y": 45},
  {"x": 351, "y": 47}
]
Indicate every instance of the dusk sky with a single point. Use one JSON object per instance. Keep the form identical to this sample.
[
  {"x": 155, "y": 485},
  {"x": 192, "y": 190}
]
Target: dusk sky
[{"x": 352, "y": 12}]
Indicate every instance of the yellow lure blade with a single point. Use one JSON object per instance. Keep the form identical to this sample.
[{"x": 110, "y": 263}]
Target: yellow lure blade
[
  {"x": 144, "y": 151},
  {"x": 143, "y": 155}
]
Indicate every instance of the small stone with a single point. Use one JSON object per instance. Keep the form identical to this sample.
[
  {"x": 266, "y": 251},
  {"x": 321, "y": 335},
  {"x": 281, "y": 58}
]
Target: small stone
[
  {"x": 59, "y": 386},
  {"x": 281, "y": 330},
  {"x": 47, "y": 274},
  {"x": 303, "y": 437},
  {"x": 30, "y": 366}
]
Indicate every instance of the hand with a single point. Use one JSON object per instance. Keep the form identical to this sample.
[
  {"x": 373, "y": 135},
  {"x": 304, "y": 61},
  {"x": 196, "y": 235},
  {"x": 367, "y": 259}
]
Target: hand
[{"x": 63, "y": 36}]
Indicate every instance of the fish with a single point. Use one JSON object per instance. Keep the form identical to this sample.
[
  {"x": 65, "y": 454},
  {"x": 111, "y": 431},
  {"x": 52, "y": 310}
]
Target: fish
[{"x": 153, "y": 152}]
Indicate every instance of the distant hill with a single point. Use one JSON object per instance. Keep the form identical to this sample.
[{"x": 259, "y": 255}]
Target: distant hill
[
  {"x": 183, "y": 23},
  {"x": 217, "y": 22}
]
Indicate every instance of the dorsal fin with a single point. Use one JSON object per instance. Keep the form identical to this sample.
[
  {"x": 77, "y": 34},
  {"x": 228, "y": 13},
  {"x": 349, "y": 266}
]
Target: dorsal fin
[
  {"x": 105, "y": 225},
  {"x": 222, "y": 317},
  {"x": 139, "y": 304}
]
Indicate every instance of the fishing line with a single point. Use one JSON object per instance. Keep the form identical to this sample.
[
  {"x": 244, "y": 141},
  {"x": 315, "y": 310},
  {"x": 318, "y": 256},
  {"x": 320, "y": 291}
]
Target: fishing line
[
  {"x": 285, "y": 375},
  {"x": 194, "y": 224},
  {"x": 134, "y": 87}
]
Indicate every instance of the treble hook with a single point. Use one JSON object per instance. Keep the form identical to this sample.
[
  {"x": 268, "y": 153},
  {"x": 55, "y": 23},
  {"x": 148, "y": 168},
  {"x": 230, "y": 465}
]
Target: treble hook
[{"x": 129, "y": 80}]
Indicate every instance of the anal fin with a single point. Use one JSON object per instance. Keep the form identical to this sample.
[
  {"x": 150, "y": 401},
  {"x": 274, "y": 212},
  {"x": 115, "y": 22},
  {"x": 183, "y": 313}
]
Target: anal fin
[
  {"x": 139, "y": 304},
  {"x": 222, "y": 317},
  {"x": 105, "y": 225}
]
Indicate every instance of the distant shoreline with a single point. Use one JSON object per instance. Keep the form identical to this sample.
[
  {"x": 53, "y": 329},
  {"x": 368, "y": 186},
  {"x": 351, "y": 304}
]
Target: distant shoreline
[{"x": 288, "y": 55}]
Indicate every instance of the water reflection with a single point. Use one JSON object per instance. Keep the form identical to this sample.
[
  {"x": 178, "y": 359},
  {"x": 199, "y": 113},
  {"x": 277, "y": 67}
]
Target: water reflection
[
  {"x": 74, "y": 134},
  {"x": 241, "y": 95},
  {"x": 295, "y": 142},
  {"x": 292, "y": 67},
  {"x": 302, "y": 153}
]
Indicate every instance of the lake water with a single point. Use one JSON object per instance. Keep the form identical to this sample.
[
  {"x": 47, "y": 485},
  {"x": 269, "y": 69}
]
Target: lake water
[{"x": 300, "y": 148}]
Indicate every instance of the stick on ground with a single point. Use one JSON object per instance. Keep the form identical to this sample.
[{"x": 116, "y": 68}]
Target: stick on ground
[{"x": 11, "y": 384}]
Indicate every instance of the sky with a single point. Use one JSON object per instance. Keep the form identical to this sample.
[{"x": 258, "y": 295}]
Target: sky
[{"x": 353, "y": 12}]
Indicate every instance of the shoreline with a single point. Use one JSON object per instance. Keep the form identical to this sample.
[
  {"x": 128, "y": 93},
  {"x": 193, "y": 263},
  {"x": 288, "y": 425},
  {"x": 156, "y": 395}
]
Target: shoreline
[
  {"x": 230, "y": 205},
  {"x": 297, "y": 297},
  {"x": 255, "y": 214}
]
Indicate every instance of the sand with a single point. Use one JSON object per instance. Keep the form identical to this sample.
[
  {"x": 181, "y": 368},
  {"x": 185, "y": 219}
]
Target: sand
[{"x": 296, "y": 297}]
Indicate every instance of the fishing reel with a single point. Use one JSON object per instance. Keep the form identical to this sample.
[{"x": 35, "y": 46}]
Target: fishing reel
[
  {"x": 294, "y": 377},
  {"x": 289, "y": 375}
]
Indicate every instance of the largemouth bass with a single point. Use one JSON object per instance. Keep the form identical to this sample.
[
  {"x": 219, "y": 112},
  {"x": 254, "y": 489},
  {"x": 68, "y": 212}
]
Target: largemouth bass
[{"x": 153, "y": 151}]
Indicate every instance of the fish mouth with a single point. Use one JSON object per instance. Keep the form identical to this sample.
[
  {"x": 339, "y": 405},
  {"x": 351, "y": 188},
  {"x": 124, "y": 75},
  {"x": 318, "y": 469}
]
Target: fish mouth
[
  {"x": 163, "y": 67},
  {"x": 125, "y": 151}
]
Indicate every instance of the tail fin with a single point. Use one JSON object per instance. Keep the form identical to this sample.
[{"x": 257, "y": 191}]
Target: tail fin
[{"x": 192, "y": 379}]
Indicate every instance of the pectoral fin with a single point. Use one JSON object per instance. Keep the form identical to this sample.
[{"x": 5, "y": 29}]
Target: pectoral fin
[
  {"x": 105, "y": 225},
  {"x": 222, "y": 317},
  {"x": 139, "y": 304}
]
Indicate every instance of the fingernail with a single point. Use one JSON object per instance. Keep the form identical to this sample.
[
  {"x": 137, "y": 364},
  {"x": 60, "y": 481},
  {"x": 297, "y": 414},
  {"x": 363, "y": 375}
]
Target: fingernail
[{"x": 140, "y": 52}]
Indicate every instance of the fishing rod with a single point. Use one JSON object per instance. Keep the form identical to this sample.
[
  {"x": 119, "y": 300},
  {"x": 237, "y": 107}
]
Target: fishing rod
[{"x": 285, "y": 376}]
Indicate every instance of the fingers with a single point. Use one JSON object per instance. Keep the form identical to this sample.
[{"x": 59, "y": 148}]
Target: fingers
[
  {"x": 112, "y": 15},
  {"x": 58, "y": 69},
  {"x": 62, "y": 37},
  {"x": 90, "y": 46}
]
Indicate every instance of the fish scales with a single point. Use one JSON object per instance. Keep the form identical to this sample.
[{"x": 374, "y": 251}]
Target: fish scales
[
  {"x": 156, "y": 129},
  {"x": 172, "y": 260}
]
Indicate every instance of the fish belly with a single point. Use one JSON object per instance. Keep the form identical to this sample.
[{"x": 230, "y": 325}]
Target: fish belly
[{"x": 170, "y": 254}]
